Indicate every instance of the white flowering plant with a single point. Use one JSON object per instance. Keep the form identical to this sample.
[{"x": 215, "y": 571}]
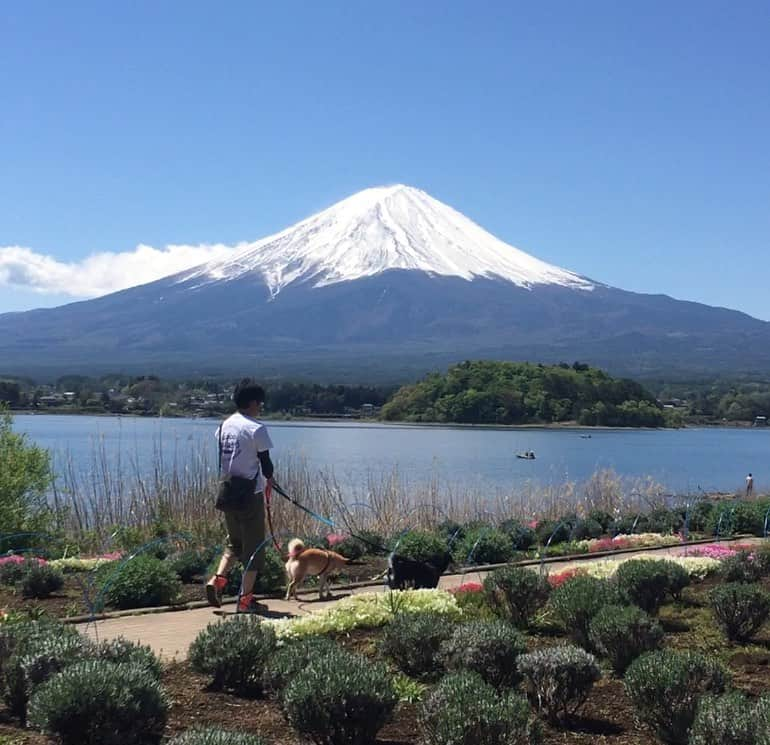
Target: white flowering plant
[{"x": 367, "y": 611}]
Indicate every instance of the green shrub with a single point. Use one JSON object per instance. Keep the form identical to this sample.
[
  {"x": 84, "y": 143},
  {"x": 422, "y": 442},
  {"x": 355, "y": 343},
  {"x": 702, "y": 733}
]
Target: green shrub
[
  {"x": 666, "y": 687},
  {"x": 578, "y": 600},
  {"x": 125, "y": 652},
  {"x": 336, "y": 704},
  {"x": 700, "y": 516},
  {"x": 291, "y": 659},
  {"x": 450, "y": 530},
  {"x": 678, "y": 579},
  {"x": 20, "y": 637},
  {"x": 34, "y": 663},
  {"x": 724, "y": 720},
  {"x": 11, "y": 572},
  {"x": 373, "y": 542},
  {"x": 473, "y": 603},
  {"x": 351, "y": 548},
  {"x": 484, "y": 546},
  {"x": 558, "y": 680},
  {"x": 412, "y": 641},
  {"x": 762, "y": 720},
  {"x": 489, "y": 648},
  {"x": 423, "y": 546},
  {"x": 25, "y": 475},
  {"x": 17, "y": 641},
  {"x": 762, "y": 557},
  {"x": 191, "y": 563},
  {"x": 273, "y": 578},
  {"x": 464, "y": 710},
  {"x": 739, "y": 609},
  {"x": 40, "y": 581},
  {"x": 234, "y": 653},
  {"x": 547, "y": 528},
  {"x": 141, "y": 582},
  {"x": 521, "y": 536},
  {"x": 741, "y": 567},
  {"x": 586, "y": 529},
  {"x": 516, "y": 594},
  {"x": 662, "y": 520},
  {"x": 622, "y": 633},
  {"x": 216, "y": 736},
  {"x": 98, "y": 703},
  {"x": 740, "y": 517},
  {"x": 602, "y": 517},
  {"x": 644, "y": 582}
]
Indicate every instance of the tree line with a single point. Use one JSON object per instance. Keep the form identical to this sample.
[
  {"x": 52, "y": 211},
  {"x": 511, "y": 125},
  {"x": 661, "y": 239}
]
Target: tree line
[{"x": 486, "y": 392}]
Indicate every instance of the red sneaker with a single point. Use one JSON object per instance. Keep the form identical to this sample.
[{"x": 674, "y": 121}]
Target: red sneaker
[
  {"x": 249, "y": 604},
  {"x": 215, "y": 588}
]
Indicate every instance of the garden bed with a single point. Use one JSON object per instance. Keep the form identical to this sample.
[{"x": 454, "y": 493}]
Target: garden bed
[{"x": 607, "y": 716}]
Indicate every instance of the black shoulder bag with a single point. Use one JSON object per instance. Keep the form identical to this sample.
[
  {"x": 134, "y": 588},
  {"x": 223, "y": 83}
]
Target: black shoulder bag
[{"x": 234, "y": 492}]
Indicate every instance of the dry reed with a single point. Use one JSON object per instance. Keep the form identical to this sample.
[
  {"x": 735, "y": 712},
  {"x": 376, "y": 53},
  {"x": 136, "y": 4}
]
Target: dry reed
[{"x": 179, "y": 493}]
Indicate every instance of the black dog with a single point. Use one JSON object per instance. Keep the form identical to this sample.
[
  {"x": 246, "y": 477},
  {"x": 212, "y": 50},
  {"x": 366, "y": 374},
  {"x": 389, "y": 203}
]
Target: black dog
[{"x": 404, "y": 573}]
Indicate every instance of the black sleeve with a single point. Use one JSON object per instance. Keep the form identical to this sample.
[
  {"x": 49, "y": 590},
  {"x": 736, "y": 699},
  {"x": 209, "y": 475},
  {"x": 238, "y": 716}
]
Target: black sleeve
[{"x": 266, "y": 463}]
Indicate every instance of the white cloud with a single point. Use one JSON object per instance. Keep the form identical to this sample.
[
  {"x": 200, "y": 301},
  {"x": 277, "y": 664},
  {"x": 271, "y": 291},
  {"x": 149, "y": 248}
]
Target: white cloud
[{"x": 102, "y": 273}]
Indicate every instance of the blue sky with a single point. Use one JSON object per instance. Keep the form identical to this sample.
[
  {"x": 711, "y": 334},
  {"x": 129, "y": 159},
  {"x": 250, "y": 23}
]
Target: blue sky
[{"x": 626, "y": 141}]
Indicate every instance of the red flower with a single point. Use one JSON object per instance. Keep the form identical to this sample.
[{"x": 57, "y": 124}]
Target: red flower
[
  {"x": 468, "y": 587},
  {"x": 558, "y": 579}
]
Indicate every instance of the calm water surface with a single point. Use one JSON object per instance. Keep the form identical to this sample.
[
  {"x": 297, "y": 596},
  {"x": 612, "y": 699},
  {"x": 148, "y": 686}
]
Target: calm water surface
[{"x": 683, "y": 460}]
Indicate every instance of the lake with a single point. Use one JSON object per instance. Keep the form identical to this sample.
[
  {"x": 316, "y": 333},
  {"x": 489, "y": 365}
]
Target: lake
[{"x": 684, "y": 461}]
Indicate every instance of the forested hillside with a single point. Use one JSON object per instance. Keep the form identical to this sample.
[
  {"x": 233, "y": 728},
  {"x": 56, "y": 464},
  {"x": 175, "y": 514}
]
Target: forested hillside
[{"x": 486, "y": 392}]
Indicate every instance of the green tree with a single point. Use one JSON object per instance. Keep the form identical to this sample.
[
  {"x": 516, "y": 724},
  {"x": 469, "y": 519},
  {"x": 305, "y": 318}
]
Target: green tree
[
  {"x": 25, "y": 475},
  {"x": 10, "y": 392}
]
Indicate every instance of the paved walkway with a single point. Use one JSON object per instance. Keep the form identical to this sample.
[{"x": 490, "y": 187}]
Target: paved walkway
[{"x": 170, "y": 634}]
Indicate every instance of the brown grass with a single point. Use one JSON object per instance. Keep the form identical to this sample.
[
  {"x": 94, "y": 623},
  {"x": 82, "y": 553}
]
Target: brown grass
[{"x": 181, "y": 496}]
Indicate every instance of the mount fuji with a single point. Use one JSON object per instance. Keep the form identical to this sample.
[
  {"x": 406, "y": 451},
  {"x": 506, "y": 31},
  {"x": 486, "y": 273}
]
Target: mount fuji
[{"x": 383, "y": 285}]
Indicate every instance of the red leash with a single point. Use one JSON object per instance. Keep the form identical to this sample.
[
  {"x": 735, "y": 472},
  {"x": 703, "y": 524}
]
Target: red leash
[{"x": 268, "y": 494}]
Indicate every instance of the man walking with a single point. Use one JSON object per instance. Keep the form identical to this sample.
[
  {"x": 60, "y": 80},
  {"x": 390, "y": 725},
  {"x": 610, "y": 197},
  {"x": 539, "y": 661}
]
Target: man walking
[
  {"x": 749, "y": 485},
  {"x": 244, "y": 453}
]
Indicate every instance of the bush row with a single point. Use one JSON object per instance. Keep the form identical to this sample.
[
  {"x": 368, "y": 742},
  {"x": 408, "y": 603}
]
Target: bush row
[{"x": 61, "y": 683}]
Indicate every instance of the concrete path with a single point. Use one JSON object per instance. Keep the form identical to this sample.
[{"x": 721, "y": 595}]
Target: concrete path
[{"x": 170, "y": 634}]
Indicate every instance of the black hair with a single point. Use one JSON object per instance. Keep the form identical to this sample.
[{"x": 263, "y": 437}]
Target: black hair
[{"x": 247, "y": 391}]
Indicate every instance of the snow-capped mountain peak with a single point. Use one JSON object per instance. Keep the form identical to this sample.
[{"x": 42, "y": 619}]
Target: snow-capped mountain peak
[{"x": 382, "y": 228}]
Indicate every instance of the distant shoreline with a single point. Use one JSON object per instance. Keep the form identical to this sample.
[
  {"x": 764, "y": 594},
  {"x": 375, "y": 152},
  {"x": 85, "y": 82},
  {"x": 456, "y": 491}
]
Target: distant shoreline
[{"x": 369, "y": 421}]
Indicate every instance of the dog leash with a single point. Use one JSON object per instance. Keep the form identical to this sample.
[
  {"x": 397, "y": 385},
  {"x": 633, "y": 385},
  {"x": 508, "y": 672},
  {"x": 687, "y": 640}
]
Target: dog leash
[
  {"x": 268, "y": 494},
  {"x": 301, "y": 506},
  {"x": 325, "y": 520}
]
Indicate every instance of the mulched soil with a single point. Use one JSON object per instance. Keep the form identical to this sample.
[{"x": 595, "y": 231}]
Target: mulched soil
[
  {"x": 73, "y": 598},
  {"x": 607, "y": 718}
]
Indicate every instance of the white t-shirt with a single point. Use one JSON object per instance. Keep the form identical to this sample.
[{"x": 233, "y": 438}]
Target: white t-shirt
[{"x": 242, "y": 438}]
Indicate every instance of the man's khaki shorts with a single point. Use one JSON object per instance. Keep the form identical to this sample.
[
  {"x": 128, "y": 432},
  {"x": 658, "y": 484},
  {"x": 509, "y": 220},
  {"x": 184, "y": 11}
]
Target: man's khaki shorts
[{"x": 246, "y": 531}]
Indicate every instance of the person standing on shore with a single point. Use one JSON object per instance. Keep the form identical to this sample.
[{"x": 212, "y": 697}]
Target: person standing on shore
[
  {"x": 244, "y": 451},
  {"x": 749, "y": 485}
]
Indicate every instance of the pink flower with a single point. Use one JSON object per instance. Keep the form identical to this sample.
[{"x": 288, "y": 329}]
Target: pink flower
[
  {"x": 334, "y": 539},
  {"x": 17, "y": 559},
  {"x": 713, "y": 551},
  {"x": 532, "y": 524},
  {"x": 112, "y": 556},
  {"x": 608, "y": 544}
]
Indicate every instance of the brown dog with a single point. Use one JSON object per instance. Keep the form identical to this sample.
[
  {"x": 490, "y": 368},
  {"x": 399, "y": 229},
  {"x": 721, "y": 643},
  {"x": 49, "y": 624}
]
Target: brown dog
[{"x": 311, "y": 561}]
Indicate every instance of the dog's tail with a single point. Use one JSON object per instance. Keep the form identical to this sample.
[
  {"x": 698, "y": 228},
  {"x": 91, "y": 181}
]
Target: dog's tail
[{"x": 296, "y": 547}]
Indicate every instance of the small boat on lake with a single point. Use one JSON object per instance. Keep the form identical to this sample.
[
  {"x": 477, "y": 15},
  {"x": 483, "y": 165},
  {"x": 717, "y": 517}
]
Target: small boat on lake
[
  {"x": 585, "y": 437},
  {"x": 528, "y": 455}
]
